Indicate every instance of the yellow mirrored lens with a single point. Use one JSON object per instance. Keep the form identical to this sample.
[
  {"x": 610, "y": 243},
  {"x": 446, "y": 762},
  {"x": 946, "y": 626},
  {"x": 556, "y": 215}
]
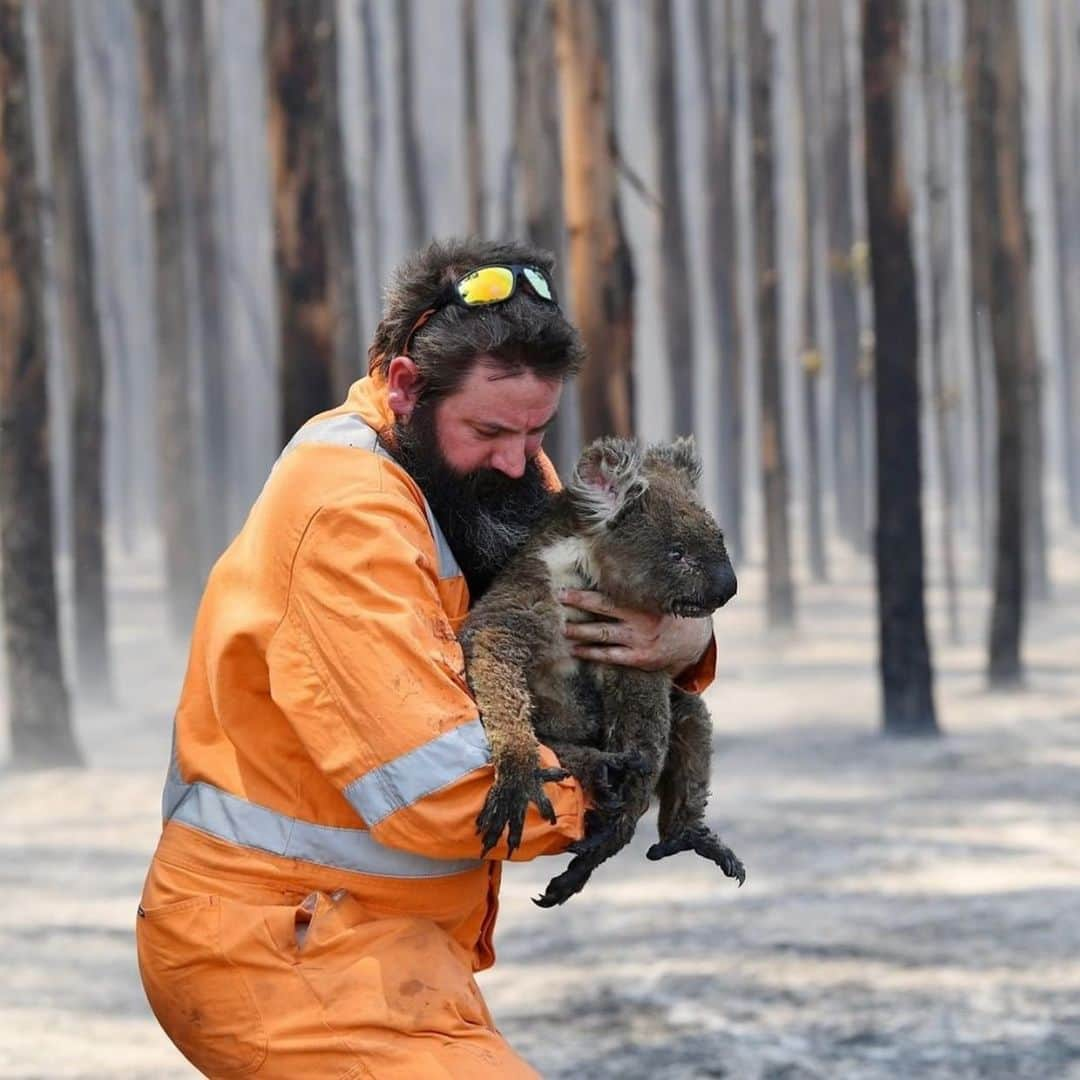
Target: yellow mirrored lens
[
  {"x": 488, "y": 285},
  {"x": 538, "y": 282}
]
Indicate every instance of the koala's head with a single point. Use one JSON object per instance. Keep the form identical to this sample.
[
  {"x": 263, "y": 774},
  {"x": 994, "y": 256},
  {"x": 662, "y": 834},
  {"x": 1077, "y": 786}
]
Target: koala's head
[{"x": 653, "y": 544}]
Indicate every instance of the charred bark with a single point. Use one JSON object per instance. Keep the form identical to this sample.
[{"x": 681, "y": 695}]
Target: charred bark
[
  {"x": 717, "y": 61},
  {"x": 780, "y": 590},
  {"x": 373, "y": 125},
  {"x": 906, "y": 675},
  {"x": 39, "y": 709},
  {"x": 539, "y": 176},
  {"x": 997, "y": 208},
  {"x": 84, "y": 345},
  {"x": 301, "y": 221},
  {"x": 601, "y": 271},
  {"x": 349, "y": 350}
]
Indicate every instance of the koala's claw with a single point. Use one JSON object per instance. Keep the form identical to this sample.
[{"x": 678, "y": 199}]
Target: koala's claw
[
  {"x": 707, "y": 844},
  {"x": 507, "y": 804},
  {"x": 561, "y": 887}
]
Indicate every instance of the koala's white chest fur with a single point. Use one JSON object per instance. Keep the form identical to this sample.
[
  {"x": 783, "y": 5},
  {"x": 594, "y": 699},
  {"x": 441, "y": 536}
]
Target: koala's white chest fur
[{"x": 570, "y": 566}]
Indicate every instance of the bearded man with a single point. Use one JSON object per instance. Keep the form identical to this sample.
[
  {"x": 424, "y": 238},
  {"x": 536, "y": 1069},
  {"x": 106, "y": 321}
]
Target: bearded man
[{"x": 318, "y": 904}]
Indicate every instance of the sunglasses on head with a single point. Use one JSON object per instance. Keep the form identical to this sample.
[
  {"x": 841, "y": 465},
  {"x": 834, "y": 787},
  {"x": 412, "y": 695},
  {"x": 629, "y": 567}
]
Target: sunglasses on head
[{"x": 487, "y": 285}]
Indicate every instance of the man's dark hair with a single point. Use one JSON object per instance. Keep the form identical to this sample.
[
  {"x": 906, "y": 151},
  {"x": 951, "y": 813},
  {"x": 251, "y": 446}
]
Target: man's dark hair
[{"x": 524, "y": 332}]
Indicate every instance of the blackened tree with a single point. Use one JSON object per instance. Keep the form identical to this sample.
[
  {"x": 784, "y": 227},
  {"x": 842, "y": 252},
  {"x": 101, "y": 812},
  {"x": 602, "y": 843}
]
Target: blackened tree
[
  {"x": 906, "y": 675},
  {"x": 39, "y": 710}
]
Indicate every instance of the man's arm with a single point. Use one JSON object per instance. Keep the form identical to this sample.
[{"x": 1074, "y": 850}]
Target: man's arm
[{"x": 366, "y": 668}]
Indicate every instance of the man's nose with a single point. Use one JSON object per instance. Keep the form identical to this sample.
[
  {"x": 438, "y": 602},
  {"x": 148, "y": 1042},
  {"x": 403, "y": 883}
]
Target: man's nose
[{"x": 510, "y": 458}]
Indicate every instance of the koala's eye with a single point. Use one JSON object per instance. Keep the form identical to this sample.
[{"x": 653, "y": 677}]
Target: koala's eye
[{"x": 677, "y": 554}]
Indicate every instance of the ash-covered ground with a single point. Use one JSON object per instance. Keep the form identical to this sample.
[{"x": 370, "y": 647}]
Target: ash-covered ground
[{"x": 912, "y": 907}]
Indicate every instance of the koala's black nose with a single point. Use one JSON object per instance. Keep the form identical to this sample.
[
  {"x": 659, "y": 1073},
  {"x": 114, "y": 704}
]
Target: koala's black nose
[{"x": 722, "y": 583}]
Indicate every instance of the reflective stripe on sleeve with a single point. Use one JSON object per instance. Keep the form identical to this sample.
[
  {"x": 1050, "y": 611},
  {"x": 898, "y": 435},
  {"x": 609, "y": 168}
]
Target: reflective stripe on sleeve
[
  {"x": 410, "y": 777},
  {"x": 229, "y": 817}
]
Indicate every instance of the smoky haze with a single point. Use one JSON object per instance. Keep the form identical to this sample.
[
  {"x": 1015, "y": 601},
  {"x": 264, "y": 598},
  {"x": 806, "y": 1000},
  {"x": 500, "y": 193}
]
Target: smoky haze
[{"x": 911, "y": 906}]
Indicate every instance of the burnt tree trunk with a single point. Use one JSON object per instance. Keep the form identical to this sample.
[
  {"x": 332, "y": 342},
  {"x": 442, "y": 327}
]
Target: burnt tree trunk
[
  {"x": 536, "y": 128},
  {"x": 601, "y": 271},
  {"x": 674, "y": 271},
  {"x": 994, "y": 142},
  {"x": 813, "y": 170},
  {"x": 539, "y": 178},
  {"x": 843, "y": 299},
  {"x": 39, "y": 710},
  {"x": 717, "y": 61},
  {"x": 83, "y": 344},
  {"x": 405, "y": 121},
  {"x": 349, "y": 351},
  {"x": 906, "y": 676},
  {"x": 201, "y": 156},
  {"x": 372, "y": 217},
  {"x": 178, "y": 507},
  {"x": 780, "y": 590},
  {"x": 301, "y": 221},
  {"x": 937, "y": 95},
  {"x": 474, "y": 143}
]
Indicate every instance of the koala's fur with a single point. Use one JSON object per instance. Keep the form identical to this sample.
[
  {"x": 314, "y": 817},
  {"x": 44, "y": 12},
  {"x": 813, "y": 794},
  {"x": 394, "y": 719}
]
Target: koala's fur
[{"x": 629, "y": 524}]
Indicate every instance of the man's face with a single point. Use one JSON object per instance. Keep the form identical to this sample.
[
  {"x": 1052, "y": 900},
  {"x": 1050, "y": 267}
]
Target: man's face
[
  {"x": 473, "y": 454},
  {"x": 496, "y": 420}
]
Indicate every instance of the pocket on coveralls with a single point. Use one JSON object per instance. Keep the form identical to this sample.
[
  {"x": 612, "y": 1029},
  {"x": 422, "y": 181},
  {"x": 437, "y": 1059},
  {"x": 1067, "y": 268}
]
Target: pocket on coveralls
[
  {"x": 403, "y": 973},
  {"x": 198, "y": 995}
]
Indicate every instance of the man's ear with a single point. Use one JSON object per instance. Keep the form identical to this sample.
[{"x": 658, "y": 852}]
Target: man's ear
[
  {"x": 404, "y": 383},
  {"x": 607, "y": 478}
]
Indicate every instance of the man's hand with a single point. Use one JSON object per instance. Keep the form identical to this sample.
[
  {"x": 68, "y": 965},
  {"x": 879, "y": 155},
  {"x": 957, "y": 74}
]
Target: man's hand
[{"x": 635, "y": 638}]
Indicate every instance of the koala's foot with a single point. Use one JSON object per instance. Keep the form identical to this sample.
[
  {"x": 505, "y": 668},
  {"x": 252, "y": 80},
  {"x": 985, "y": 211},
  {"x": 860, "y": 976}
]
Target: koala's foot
[
  {"x": 604, "y": 836},
  {"x": 508, "y": 802},
  {"x": 563, "y": 886},
  {"x": 706, "y": 843},
  {"x": 606, "y": 781}
]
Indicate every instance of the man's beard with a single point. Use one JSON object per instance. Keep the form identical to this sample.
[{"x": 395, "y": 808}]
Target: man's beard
[{"x": 485, "y": 515}]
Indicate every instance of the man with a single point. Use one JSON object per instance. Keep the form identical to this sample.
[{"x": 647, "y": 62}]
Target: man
[{"x": 317, "y": 904}]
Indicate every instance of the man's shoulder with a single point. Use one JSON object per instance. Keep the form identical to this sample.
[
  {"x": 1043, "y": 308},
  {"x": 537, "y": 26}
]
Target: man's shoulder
[{"x": 313, "y": 474}]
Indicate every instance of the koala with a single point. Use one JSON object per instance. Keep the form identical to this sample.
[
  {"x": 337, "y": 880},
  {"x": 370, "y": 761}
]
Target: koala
[{"x": 631, "y": 525}]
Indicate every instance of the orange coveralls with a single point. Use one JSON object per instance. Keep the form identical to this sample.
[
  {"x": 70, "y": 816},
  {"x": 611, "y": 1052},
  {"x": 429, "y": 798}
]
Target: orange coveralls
[{"x": 317, "y": 903}]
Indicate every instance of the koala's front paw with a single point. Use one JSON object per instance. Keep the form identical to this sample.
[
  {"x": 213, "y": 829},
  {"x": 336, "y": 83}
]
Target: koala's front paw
[
  {"x": 508, "y": 802},
  {"x": 706, "y": 843}
]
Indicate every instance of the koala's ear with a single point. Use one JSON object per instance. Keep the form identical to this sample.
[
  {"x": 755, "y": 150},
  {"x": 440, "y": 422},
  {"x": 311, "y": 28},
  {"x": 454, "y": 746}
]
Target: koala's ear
[
  {"x": 607, "y": 478},
  {"x": 682, "y": 453}
]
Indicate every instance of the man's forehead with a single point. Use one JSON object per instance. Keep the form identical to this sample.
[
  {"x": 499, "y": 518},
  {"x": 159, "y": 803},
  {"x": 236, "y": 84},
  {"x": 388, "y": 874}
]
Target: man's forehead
[{"x": 513, "y": 399}]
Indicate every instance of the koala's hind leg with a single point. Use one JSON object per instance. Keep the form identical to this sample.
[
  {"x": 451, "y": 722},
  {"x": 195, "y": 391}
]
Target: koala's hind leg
[
  {"x": 636, "y": 713},
  {"x": 684, "y": 788},
  {"x": 602, "y": 772}
]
